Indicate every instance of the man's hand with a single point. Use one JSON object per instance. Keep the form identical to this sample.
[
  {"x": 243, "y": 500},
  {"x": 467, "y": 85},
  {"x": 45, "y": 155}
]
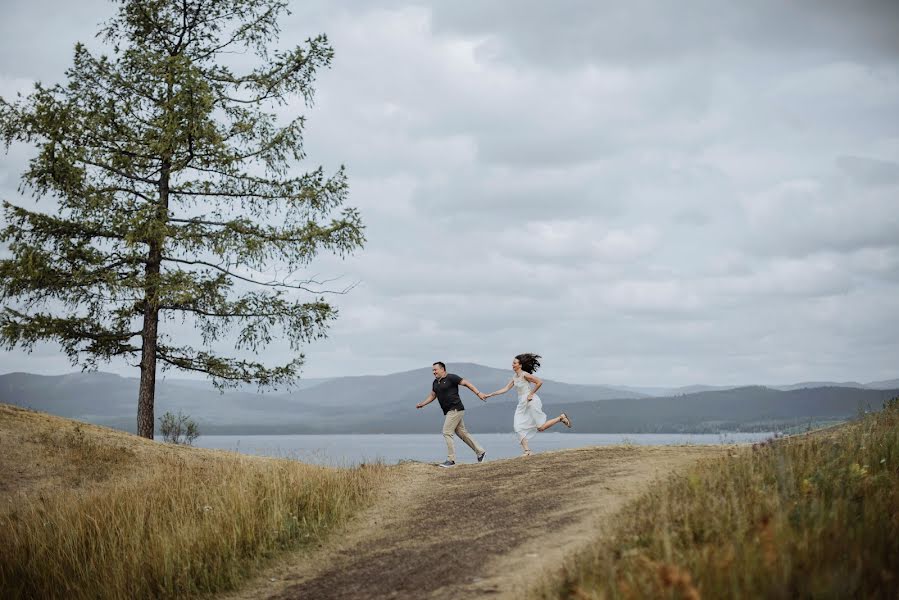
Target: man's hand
[
  {"x": 483, "y": 396},
  {"x": 419, "y": 405}
]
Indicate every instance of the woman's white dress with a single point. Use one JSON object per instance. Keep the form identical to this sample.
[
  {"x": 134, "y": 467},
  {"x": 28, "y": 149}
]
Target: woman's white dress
[{"x": 528, "y": 415}]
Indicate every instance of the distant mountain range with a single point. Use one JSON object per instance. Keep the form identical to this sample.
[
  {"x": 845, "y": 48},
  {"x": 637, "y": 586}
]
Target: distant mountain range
[
  {"x": 889, "y": 384},
  {"x": 386, "y": 404}
]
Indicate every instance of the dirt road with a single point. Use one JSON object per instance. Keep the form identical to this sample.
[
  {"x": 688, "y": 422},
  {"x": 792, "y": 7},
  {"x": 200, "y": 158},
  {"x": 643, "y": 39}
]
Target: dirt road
[{"x": 476, "y": 531}]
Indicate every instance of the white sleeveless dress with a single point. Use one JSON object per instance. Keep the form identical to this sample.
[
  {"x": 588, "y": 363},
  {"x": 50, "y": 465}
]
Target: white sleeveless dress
[{"x": 528, "y": 415}]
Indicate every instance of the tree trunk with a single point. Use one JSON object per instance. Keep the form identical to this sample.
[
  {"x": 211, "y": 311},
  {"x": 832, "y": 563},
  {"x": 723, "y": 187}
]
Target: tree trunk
[{"x": 146, "y": 394}]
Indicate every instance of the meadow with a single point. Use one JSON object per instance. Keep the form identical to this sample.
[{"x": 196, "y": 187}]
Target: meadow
[
  {"x": 89, "y": 512},
  {"x": 810, "y": 516},
  {"x": 102, "y": 514}
]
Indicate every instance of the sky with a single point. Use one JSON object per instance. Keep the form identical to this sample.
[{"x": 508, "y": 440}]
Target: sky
[{"x": 644, "y": 193}]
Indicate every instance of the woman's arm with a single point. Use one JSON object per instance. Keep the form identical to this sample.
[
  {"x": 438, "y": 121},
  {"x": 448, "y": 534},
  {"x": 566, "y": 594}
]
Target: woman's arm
[
  {"x": 537, "y": 383},
  {"x": 502, "y": 391}
]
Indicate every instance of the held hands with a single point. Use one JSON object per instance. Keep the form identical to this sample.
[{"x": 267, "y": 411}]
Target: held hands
[
  {"x": 483, "y": 396},
  {"x": 530, "y": 397}
]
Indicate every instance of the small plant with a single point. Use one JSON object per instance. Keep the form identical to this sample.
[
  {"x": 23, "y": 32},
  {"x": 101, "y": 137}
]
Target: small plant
[{"x": 178, "y": 429}]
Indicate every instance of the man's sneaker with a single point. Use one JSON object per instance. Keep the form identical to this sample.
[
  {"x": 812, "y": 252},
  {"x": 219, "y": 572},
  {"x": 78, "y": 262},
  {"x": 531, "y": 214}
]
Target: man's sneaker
[
  {"x": 481, "y": 456},
  {"x": 448, "y": 464}
]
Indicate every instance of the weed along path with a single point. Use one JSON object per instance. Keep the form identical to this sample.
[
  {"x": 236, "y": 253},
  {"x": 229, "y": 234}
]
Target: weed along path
[{"x": 475, "y": 531}]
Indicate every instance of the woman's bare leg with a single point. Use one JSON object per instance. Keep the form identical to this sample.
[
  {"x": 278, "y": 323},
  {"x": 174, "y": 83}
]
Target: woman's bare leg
[
  {"x": 524, "y": 445},
  {"x": 550, "y": 423}
]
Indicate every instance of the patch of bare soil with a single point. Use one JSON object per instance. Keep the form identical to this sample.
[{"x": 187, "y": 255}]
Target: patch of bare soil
[{"x": 476, "y": 531}]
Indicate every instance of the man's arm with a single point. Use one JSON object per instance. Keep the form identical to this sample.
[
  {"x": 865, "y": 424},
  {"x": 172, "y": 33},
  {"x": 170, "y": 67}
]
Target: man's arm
[
  {"x": 471, "y": 386},
  {"x": 431, "y": 397}
]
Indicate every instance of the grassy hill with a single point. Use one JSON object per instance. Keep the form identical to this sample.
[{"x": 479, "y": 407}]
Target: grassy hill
[
  {"x": 89, "y": 512},
  {"x": 812, "y": 516},
  {"x": 156, "y": 520}
]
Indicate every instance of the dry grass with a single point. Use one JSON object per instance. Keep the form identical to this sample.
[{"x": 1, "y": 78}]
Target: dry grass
[
  {"x": 109, "y": 515},
  {"x": 815, "y": 516},
  {"x": 43, "y": 454}
]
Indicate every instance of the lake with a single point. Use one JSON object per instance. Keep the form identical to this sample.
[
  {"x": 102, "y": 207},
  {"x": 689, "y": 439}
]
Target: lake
[{"x": 353, "y": 449}]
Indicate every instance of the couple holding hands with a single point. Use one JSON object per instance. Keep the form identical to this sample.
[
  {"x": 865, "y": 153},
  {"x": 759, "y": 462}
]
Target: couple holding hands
[{"x": 529, "y": 415}]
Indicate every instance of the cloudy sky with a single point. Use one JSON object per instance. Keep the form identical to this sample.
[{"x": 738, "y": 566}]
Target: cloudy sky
[{"x": 649, "y": 195}]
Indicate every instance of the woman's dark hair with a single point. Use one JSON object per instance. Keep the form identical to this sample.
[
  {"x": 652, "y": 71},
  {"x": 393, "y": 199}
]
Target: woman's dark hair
[{"x": 529, "y": 362}]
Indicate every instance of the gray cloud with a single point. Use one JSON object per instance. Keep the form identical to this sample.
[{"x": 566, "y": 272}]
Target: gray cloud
[
  {"x": 870, "y": 172},
  {"x": 643, "y": 195},
  {"x": 649, "y": 31}
]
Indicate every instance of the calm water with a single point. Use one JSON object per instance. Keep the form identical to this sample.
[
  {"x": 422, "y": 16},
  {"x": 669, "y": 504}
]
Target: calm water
[{"x": 352, "y": 449}]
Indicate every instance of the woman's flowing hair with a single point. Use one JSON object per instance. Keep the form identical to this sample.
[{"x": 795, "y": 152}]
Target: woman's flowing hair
[{"x": 529, "y": 362}]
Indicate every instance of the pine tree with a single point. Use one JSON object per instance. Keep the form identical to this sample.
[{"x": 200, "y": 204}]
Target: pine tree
[{"x": 174, "y": 199}]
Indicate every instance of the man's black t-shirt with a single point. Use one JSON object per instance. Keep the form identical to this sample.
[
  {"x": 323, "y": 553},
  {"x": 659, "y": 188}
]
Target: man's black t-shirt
[{"x": 447, "y": 390}]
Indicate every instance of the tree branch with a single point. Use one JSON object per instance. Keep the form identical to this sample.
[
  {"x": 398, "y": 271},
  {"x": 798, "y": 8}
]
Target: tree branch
[{"x": 273, "y": 284}]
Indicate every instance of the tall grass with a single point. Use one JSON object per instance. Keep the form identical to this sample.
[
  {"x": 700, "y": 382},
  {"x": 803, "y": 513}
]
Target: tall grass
[
  {"x": 186, "y": 526},
  {"x": 807, "y": 517}
]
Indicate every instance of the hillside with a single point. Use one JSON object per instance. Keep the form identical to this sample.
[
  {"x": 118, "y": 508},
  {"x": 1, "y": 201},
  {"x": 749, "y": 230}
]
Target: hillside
[
  {"x": 42, "y": 455},
  {"x": 78, "y": 474},
  {"x": 385, "y": 404},
  {"x": 341, "y": 403},
  {"x": 89, "y": 512}
]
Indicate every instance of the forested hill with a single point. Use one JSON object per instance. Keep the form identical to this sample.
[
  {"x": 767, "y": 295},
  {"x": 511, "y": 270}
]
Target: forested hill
[{"x": 386, "y": 404}]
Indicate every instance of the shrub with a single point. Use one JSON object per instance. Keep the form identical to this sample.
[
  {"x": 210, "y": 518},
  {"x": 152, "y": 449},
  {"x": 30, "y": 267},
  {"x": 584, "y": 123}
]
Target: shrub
[{"x": 178, "y": 429}]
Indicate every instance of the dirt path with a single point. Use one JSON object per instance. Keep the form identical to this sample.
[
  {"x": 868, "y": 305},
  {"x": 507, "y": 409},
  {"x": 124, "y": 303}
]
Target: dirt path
[{"x": 476, "y": 531}]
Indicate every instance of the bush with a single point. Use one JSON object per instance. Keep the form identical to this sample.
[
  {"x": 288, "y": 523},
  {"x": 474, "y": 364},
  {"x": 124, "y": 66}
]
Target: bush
[{"x": 180, "y": 429}]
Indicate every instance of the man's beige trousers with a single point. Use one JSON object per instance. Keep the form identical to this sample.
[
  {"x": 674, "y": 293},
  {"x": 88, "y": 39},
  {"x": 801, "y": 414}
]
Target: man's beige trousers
[{"x": 454, "y": 424}]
